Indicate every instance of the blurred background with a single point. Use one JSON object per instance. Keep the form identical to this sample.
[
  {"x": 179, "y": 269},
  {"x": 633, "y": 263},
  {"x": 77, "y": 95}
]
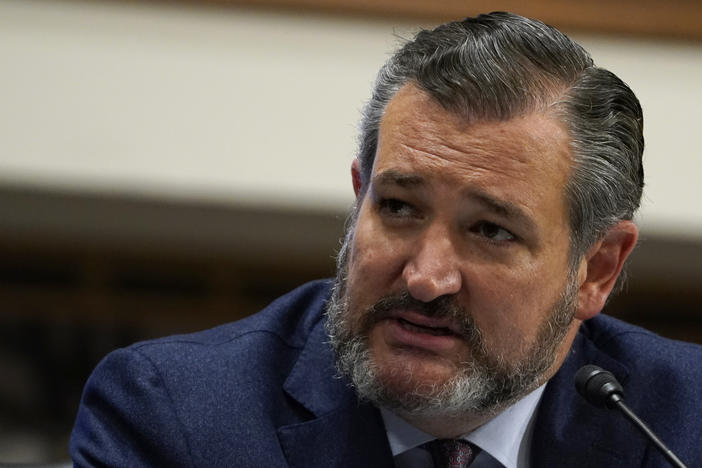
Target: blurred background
[{"x": 168, "y": 166}]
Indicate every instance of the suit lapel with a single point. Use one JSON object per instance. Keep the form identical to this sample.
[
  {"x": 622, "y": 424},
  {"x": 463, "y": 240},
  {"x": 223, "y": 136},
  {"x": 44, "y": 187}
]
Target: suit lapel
[
  {"x": 343, "y": 432},
  {"x": 348, "y": 438},
  {"x": 571, "y": 432}
]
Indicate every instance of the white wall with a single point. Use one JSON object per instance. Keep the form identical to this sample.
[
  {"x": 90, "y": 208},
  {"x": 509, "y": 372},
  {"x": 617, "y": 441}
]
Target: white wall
[{"x": 259, "y": 107}]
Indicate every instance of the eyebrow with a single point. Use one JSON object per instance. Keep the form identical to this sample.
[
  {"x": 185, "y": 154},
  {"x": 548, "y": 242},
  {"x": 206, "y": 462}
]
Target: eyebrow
[
  {"x": 393, "y": 177},
  {"x": 503, "y": 208}
]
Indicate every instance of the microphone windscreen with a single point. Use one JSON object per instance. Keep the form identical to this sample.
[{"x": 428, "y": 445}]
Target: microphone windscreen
[{"x": 598, "y": 386}]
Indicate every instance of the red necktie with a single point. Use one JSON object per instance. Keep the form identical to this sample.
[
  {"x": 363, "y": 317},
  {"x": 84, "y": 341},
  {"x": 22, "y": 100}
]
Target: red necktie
[{"x": 451, "y": 453}]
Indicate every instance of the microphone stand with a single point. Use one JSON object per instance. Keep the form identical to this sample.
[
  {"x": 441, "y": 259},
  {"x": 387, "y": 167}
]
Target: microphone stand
[
  {"x": 600, "y": 388},
  {"x": 641, "y": 426}
]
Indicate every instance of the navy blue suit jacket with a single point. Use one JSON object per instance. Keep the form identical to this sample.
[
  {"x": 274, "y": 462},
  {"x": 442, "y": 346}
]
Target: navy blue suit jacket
[{"x": 262, "y": 392}]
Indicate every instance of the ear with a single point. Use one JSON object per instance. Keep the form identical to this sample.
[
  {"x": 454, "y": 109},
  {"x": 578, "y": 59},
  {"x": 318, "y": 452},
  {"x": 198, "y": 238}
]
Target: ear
[
  {"x": 356, "y": 177},
  {"x": 600, "y": 268}
]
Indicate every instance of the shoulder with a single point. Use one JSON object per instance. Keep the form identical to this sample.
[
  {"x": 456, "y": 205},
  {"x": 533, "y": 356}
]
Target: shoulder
[
  {"x": 245, "y": 354},
  {"x": 242, "y": 365},
  {"x": 641, "y": 349},
  {"x": 662, "y": 380},
  {"x": 286, "y": 322},
  {"x": 193, "y": 397},
  {"x": 649, "y": 358}
]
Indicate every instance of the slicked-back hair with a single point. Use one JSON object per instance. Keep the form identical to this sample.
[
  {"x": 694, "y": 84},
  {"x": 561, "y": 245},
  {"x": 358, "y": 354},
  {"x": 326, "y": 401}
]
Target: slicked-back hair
[{"x": 498, "y": 66}]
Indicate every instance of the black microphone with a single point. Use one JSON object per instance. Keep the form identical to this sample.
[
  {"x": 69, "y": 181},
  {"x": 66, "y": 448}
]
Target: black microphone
[{"x": 600, "y": 388}]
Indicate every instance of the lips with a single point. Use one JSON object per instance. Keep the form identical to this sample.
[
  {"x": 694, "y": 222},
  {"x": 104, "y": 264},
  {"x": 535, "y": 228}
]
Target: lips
[
  {"x": 409, "y": 330},
  {"x": 416, "y": 328},
  {"x": 421, "y": 323}
]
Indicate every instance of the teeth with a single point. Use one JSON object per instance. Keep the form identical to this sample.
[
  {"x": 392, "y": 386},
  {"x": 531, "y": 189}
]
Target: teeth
[{"x": 420, "y": 329}]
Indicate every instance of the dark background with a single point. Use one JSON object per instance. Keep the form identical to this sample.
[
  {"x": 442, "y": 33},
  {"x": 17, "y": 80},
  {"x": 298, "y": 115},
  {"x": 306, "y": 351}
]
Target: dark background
[{"x": 81, "y": 275}]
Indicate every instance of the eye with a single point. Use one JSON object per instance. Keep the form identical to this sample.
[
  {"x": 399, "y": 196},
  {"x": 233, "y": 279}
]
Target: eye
[
  {"x": 395, "y": 208},
  {"x": 493, "y": 232}
]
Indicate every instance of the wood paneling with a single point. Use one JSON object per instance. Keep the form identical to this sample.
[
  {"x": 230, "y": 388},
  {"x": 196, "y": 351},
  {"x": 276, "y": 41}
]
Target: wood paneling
[{"x": 671, "y": 18}]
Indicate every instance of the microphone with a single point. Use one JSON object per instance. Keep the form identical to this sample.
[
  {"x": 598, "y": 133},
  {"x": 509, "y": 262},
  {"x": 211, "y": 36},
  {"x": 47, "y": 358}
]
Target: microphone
[{"x": 600, "y": 388}]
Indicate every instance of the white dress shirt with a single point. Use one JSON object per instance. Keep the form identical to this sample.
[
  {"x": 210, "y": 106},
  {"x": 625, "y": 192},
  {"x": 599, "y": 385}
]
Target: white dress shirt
[{"x": 505, "y": 440}]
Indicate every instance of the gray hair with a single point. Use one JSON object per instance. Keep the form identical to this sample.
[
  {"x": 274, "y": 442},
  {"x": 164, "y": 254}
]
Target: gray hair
[{"x": 499, "y": 66}]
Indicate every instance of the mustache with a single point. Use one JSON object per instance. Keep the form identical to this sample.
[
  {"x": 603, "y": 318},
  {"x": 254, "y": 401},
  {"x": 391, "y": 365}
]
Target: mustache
[{"x": 444, "y": 307}]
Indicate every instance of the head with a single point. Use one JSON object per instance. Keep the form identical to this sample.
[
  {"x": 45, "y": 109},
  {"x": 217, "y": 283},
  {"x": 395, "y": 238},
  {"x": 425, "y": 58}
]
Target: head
[{"x": 497, "y": 177}]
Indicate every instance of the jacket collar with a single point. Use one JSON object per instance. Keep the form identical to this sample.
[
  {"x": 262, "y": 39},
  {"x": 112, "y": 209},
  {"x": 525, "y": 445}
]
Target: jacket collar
[
  {"x": 571, "y": 432},
  {"x": 343, "y": 431}
]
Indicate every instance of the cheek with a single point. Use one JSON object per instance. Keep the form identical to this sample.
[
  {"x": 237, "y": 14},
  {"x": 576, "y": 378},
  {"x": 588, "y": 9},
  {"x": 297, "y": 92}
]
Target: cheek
[
  {"x": 375, "y": 261},
  {"x": 371, "y": 271},
  {"x": 369, "y": 275},
  {"x": 509, "y": 305}
]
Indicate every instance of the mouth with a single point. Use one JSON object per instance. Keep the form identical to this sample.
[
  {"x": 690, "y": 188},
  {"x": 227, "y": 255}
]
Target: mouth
[
  {"x": 416, "y": 328},
  {"x": 419, "y": 322},
  {"x": 410, "y": 329}
]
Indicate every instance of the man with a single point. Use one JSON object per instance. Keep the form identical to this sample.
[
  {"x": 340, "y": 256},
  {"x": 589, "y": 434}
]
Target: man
[{"x": 496, "y": 182}]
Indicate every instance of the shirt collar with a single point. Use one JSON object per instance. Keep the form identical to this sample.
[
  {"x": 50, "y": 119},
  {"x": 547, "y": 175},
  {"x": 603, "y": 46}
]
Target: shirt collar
[{"x": 502, "y": 437}]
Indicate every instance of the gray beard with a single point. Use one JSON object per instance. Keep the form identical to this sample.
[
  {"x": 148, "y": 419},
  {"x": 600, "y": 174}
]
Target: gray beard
[{"x": 482, "y": 386}]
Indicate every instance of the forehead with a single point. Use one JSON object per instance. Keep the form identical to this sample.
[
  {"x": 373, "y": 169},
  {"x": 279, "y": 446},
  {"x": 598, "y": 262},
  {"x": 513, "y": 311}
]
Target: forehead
[
  {"x": 526, "y": 159},
  {"x": 532, "y": 141}
]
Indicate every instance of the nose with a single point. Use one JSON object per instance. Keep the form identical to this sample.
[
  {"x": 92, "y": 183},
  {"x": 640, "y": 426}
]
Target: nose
[{"x": 433, "y": 269}]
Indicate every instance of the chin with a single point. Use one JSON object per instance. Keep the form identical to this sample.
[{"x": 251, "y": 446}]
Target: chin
[{"x": 412, "y": 372}]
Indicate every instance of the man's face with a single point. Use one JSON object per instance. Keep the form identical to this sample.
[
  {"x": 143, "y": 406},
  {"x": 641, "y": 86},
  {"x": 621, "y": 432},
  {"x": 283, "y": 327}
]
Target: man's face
[{"x": 458, "y": 262}]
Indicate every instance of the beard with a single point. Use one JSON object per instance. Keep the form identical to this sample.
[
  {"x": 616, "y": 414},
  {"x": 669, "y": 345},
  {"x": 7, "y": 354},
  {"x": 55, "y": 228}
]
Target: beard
[{"x": 482, "y": 385}]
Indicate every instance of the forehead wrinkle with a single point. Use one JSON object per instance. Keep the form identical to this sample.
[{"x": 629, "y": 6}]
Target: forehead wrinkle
[
  {"x": 476, "y": 159},
  {"x": 421, "y": 113},
  {"x": 473, "y": 141},
  {"x": 479, "y": 161},
  {"x": 448, "y": 137},
  {"x": 467, "y": 144}
]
